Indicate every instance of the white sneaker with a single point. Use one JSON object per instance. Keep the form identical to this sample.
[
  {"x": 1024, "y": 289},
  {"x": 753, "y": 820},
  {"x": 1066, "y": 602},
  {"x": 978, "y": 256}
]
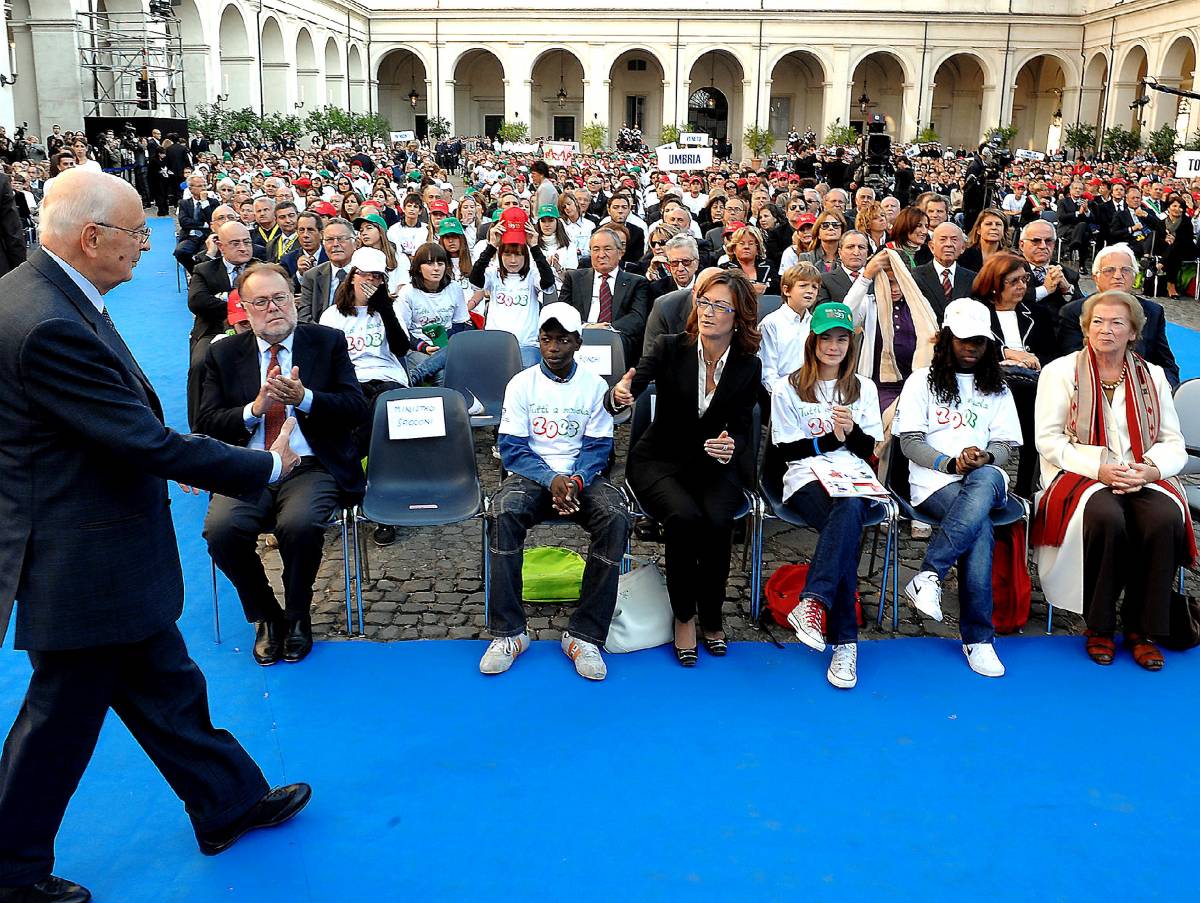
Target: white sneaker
[
  {"x": 502, "y": 652},
  {"x": 920, "y": 530},
  {"x": 586, "y": 656},
  {"x": 843, "y": 670},
  {"x": 476, "y": 407},
  {"x": 805, "y": 620},
  {"x": 925, "y": 593},
  {"x": 983, "y": 660}
]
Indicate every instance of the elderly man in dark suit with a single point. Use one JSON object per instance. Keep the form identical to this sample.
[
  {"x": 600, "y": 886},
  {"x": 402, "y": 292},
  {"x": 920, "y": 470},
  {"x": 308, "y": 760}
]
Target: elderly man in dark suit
[
  {"x": 87, "y": 544},
  {"x": 317, "y": 286},
  {"x": 942, "y": 280},
  {"x": 607, "y": 296},
  {"x": 1114, "y": 269},
  {"x": 252, "y": 383},
  {"x": 1051, "y": 285},
  {"x": 195, "y": 215},
  {"x": 853, "y": 248}
]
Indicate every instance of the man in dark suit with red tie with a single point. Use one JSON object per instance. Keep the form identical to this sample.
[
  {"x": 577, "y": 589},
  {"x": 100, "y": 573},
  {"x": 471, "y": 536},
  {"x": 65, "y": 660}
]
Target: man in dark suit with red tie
[
  {"x": 942, "y": 280},
  {"x": 88, "y": 548},
  {"x": 605, "y": 294}
]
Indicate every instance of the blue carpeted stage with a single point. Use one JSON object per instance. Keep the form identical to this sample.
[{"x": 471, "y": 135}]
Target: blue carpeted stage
[{"x": 745, "y": 779}]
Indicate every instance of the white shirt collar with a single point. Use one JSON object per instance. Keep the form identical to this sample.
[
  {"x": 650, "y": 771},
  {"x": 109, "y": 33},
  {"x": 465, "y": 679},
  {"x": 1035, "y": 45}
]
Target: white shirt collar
[
  {"x": 941, "y": 269},
  {"x": 81, "y": 281},
  {"x": 264, "y": 347}
]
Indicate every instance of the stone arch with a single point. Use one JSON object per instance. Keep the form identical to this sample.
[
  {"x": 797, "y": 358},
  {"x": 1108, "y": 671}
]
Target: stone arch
[
  {"x": 277, "y": 71},
  {"x": 309, "y": 90},
  {"x": 556, "y": 71},
  {"x": 1134, "y": 66},
  {"x": 358, "y": 85},
  {"x": 478, "y": 92},
  {"x": 335, "y": 76},
  {"x": 797, "y": 94},
  {"x": 237, "y": 65},
  {"x": 402, "y": 76},
  {"x": 957, "y": 110},
  {"x": 715, "y": 96},
  {"x": 629, "y": 80},
  {"x": 1040, "y": 83},
  {"x": 1095, "y": 78},
  {"x": 880, "y": 75},
  {"x": 1177, "y": 70}
]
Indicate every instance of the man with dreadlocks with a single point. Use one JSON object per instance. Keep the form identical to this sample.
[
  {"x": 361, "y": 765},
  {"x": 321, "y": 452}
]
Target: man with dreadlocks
[{"x": 958, "y": 425}]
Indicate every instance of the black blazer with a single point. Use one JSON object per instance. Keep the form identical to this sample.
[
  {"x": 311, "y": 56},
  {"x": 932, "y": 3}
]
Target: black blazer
[
  {"x": 1037, "y": 330},
  {"x": 231, "y": 381},
  {"x": 630, "y": 304},
  {"x": 927, "y": 280},
  {"x": 1057, "y": 298},
  {"x": 12, "y": 233},
  {"x": 86, "y": 538},
  {"x": 196, "y": 216},
  {"x": 674, "y": 442},
  {"x": 1151, "y": 344},
  {"x": 209, "y": 280},
  {"x": 668, "y": 316},
  {"x": 835, "y": 285}
]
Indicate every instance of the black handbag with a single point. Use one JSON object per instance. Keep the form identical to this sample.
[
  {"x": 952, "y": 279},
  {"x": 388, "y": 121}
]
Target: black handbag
[{"x": 1183, "y": 629}]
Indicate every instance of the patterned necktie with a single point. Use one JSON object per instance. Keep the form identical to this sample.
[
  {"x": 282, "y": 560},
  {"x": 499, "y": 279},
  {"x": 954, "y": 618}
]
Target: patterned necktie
[
  {"x": 108, "y": 319},
  {"x": 1039, "y": 273},
  {"x": 854, "y": 275},
  {"x": 947, "y": 289},
  {"x": 276, "y": 413},
  {"x": 605, "y": 300}
]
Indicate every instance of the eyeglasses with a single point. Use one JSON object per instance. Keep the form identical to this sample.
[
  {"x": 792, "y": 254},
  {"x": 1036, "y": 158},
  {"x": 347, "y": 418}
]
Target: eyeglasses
[
  {"x": 1040, "y": 241},
  {"x": 713, "y": 307},
  {"x": 676, "y": 264},
  {"x": 142, "y": 234},
  {"x": 239, "y": 243},
  {"x": 1112, "y": 271},
  {"x": 1023, "y": 279},
  {"x": 338, "y": 239},
  {"x": 656, "y": 244},
  {"x": 281, "y": 301},
  {"x": 828, "y": 225}
]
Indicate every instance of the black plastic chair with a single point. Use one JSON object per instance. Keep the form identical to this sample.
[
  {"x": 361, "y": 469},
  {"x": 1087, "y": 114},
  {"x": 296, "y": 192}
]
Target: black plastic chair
[
  {"x": 607, "y": 338},
  {"x": 482, "y": 361},
  {"x": 770, "y": 493},
  {"x": 896, "y": 482},
  {"x": 422, "y": 482},
  {"x": 768, "y": 304}
]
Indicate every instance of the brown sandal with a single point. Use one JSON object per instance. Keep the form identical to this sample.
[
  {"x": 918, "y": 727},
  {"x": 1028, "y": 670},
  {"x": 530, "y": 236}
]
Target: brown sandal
[
  {"x": 1145, "y": 653},
  {"x": 1101, "y": 649}
]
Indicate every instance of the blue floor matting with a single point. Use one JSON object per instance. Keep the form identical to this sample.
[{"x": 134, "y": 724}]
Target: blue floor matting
[{"x": 743, "y": 779}]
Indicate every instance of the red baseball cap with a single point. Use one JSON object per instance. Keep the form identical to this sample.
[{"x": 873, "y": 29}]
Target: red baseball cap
[
  {"x": 324, "y": 208},
  {"x": 439, "y": 207},
  {"x": 806, "y": 219},
  {"x": 730, "y": 228},
  {"x": 234, "y": 312}
]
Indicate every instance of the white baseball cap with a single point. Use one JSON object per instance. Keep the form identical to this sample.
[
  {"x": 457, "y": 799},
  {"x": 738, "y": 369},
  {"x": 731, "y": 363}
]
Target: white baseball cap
[
  {"x": 968, "y": 319},
  {"x": 566, "y": 315},
  {"x": 369, "y": 260}
]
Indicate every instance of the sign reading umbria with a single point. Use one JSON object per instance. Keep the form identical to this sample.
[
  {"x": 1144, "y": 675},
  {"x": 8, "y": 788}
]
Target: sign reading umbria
[{"x": 685, "y": 158}]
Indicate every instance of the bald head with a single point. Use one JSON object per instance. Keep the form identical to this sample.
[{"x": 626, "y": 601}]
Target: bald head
[
  {"x": 222, "y": 215},
  {"x": 947, "y": 243},
  {"x": 234, "y": 241}
]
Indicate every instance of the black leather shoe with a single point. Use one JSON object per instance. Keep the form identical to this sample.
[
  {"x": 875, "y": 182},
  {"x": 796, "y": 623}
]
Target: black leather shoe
[
  {"x": 273, "y": 809},
  {"x": 298, "y": 642},
  {"x": 52, "y": 890},
  {"x": 384, "y": 535},
  {"x": 268, "y": 642}
]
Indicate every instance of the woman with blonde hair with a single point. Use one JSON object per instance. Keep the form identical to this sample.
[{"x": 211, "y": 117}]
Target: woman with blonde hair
[
  {"x": 985, "y": 239},
  {"x": 871, "y": 220},
  {"x": 747, "y": 253}
]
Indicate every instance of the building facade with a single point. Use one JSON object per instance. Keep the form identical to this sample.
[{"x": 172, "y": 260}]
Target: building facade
[{"x": 719, "y": 66}]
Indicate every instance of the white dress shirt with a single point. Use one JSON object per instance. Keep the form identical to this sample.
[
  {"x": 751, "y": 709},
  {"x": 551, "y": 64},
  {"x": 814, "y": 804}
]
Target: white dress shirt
[
  {"x": 782, "y": 347},
  {"x": 705, "y": 398},
  {"x": 594, "y": 311},
  {"x": 254, "y": 424}
]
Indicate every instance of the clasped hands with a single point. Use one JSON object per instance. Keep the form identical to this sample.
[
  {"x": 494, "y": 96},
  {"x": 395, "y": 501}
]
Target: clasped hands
[
  {"x": 1126, "y": 478},
  {"x": 971, "y": 458},
  {"x": 564, "y": 495},
  {"x": 278, "y": 389}
]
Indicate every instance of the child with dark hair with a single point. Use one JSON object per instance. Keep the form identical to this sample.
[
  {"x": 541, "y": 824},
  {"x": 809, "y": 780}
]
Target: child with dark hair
[{"x": 432, "y": 309}]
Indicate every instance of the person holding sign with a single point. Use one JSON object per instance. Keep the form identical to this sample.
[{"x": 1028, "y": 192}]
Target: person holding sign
[
  {"x": 692, "y": 466},
  {"x": 555, "y": 441},
  {"x": 824, "y": 409},
  {"x": 957, "y": 425}
]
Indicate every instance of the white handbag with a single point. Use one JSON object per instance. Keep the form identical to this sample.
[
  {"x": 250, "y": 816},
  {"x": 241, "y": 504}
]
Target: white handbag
[{"x": 643, "y": 617}]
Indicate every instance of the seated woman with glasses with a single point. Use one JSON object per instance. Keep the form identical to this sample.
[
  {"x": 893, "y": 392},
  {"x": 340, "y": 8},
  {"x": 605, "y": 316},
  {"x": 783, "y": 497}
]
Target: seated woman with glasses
[
  {"x": 691, "y": 467},
  {"x": 747, "y": 254},
  {"x": 827, "y": 232}
]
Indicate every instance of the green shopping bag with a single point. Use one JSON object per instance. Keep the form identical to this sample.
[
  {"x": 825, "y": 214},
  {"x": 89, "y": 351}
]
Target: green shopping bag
[{"x": 551, "y": 574}]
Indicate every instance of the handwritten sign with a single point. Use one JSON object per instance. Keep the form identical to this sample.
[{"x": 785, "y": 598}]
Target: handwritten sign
[
  {"x": 1187, "y": 164},
  {"x": 401, "y": 137},
  {"x": 416, "y": 418},
  {"x": 689, "y": 158},
  {"x": 596, "y": 358},
  {"x": 1026, "y": 154},
  {"x": 694, "y": 139},
  {"x": 560, "y": 153}
]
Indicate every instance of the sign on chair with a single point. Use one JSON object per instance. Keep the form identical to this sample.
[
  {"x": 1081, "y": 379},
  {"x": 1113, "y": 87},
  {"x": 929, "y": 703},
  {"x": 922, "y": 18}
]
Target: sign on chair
[
  {"x": 596, "y": 358},
  {"x": 416, "y": 418}
]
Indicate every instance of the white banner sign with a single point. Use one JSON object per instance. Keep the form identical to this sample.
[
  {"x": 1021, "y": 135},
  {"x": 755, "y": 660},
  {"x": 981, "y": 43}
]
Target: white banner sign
[
  {"x": 696, "y": 139},
  {"x": 596, "y": 358},
  {"x": 513, "y": 147},
  {"x": 416, "y": 418},
  {"x": 1187, "y": 164},
  {"x": 685, "y": 158},
  {"x": 666, "y": 147},
  {"x": 560, "y": 153},
  {"x": 401, "y": 137},
  {"x": 1026, "y": 154}
]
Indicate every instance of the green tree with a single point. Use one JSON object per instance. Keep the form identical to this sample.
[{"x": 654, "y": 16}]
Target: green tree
[
  {"x": 1163, "y": 142},
  {"x": 838, "y": 134},
  {"x": 513, "y": 132},
  {"x": 209, "y": 118},
  {"x": 593, "y": 136},
  {"x": 927, "y": 135},
  {"x": 1194, "y": 144},
  {"x": 760, "y": 141},
  {"x": 373, "y": 126},
  {"x": 243, "y": 122},
  {"x": 439, "y": 128},
  {"x": 668, "y": 134},
  {"x": 1006, "y": 134},
  {"x": 1120, "y": 142},
  {"x": 1080, "y": 136}
]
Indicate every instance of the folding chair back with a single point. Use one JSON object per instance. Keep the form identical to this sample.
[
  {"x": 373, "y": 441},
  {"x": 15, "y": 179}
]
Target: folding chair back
[
  {"x": 1187, "y": 406},
  {"x": 611, "y": 366},
  {"x": 422, "y": 481},
  {"x": 482, "y": 361},
  {"x": 768, "y": 304}
]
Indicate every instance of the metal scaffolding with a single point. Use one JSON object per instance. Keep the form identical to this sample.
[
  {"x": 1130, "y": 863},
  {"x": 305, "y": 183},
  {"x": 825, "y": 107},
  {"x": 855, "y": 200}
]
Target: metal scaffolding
[{"x": 131, "y": 64}]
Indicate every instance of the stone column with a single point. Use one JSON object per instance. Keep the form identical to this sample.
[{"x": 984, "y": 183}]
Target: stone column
[
  {"x": 837, "y": 90},
  {"x": 59, "y": 87}
]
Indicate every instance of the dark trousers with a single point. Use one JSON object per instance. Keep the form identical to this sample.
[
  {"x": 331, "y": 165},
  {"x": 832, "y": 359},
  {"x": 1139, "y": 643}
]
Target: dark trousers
[
  {"x": 160, "y": 695},
  {"x": 372, "y": 389},
  {"x": 1134, "y": 543},
  {"x": 696, "y": 512},
  {"x": 195, "y": 376},
  {"x": 1024, "y": 394},
  {"x": 833, "y": 573},
  {"x": 297, "y": 510},
  {"x": 185, "y": 252},
  {"x": 518, "y": 506}
]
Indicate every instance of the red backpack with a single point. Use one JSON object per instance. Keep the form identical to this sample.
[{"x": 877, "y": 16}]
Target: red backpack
[
  {"x": 1011, "y": 584},
  {"x": 785, "y": 589}
]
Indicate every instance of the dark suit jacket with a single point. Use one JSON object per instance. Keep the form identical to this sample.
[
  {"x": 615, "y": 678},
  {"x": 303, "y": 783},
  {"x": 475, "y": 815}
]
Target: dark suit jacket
[
  {"x": 86, "y": 538},
  {"x": 630, "y": 304},
  {"x": 835, "y": 284},
  {"x": 668, "y": 316},
  {"x": 674, "y": 442},
  {"x": 208, "y": 280},
  {"x": 1056, "y": 299},
  {"x": 12, "y": 232},
  {"x": 1037, "y": 330},
  {"x": 195, "y": 216},
  {"x": 1151, "y": 344},
  {"x": 927, "y": 280},
  {"x": 314, "y": 292},
  {"x": 231, "y": 381}
]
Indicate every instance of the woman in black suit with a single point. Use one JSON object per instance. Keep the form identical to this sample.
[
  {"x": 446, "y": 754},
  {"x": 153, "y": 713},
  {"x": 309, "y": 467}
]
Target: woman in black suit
[
  {"x": 1179, "y": 242},
  {"x": 690, "y": 468},
  {"x": 1027, "y": 343}
]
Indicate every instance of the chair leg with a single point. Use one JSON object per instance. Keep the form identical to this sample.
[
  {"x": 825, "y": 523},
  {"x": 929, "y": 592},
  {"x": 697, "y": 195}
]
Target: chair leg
[
  {"x": 746, "y": 540},
  {"x": 757, "y": 563},
  {"x": 360, "y": 558},
  {"x": 364, "y": 562},
  {"x": 216, "y": 605},
  {"x": 894, "y": 533},
  {"x": 347, "y": 525},
  {"x": 487, "y": 573}
]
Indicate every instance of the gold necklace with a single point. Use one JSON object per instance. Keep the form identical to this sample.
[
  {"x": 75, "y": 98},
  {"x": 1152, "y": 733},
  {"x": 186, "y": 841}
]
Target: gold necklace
[{"x": 1111, "y": 387}]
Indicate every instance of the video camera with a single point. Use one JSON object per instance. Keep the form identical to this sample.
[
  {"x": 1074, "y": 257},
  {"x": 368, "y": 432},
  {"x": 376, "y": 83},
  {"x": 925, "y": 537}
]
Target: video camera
[
  {"x": 995, "y": 158},
  {"x": 875, "y": 147}
]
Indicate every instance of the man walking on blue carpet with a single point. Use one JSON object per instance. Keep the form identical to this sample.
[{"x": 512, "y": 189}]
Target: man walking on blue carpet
[{"x": 88, "y": 547}]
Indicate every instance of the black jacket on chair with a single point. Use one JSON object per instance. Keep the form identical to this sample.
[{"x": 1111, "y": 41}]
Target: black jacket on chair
[
  {"x": 231, "y": 381},
  {"x": 209, "y": 281},
  {"x": 630, "y": 304},
  {"x": 674, "y": 442}
]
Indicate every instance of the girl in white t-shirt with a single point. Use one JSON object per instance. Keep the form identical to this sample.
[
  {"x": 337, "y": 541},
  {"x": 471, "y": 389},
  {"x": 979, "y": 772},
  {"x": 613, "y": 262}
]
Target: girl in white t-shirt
[
  {"x": 432, "y": 309},
  {"x": 372, "y": 233},
  {"x": 514, "y": 288},
  {"x": 555, "y": 243},
  {"x": 957, "y": 425},
  {"x": 453, "y": 240},
  {"x": 577, "y": 226},
  {"x": 824, "y": 410}
]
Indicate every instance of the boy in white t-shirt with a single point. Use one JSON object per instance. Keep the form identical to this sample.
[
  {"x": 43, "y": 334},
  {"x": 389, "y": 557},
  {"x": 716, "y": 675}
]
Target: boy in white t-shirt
[
  {"x": 957, "y": 425},
  {"x": 555, "y": 439}
]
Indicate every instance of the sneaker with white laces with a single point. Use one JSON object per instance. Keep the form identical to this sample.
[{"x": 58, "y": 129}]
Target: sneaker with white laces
[
  {"x": 474, "y": 405},
  {"x": 502, "y": 652},
  {"x": 843, "y": 669},
  {"x": 805, "y": 620},
  {"x": 983, "y": 659},
  {"x": 925, "y": 593},
  {"x": 586, "y": 656}
]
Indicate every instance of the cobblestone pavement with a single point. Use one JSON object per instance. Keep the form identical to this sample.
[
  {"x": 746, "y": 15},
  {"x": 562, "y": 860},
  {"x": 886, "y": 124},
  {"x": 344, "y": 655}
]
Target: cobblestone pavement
[{"x": 427, "y": 584}]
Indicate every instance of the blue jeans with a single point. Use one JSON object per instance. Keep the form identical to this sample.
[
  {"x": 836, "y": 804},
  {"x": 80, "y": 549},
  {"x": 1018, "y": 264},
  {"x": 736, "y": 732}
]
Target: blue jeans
[
  {"x": 964, "y": 535},
  {"x": 426, "y": 366},
  {"x": 833, "y": 573}
]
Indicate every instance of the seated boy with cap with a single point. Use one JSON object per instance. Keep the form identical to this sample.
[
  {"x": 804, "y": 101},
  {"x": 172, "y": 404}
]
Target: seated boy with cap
[{"x": 555, "y": 438}]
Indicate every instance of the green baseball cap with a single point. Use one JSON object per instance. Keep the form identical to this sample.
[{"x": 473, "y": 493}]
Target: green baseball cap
[
  {"x": 547, "y": 210},
  {"x": 831, "y": 315},
  {"x": 450, "y": 226},
  {"x": 414, "y": 176},
  {"x": 496, "y": 215},
  {"x": 372, "y": 218}
]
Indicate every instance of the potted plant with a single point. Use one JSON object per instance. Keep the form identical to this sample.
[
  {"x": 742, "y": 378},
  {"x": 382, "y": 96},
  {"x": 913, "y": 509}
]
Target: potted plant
[
  {"x": 439, "y": 128},
  {"x": 593, "y": 136},
  {"x": 512, "y": 132},
  {"x": 760, "y": 142},
  {"x": 669, "y": 134}
]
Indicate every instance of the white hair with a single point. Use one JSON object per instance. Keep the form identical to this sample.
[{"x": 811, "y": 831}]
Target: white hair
[
  {"x": 77, "y": 197},
  {"x": 1038, "y": 222},
  {"x": 1119, "y": 248}
]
